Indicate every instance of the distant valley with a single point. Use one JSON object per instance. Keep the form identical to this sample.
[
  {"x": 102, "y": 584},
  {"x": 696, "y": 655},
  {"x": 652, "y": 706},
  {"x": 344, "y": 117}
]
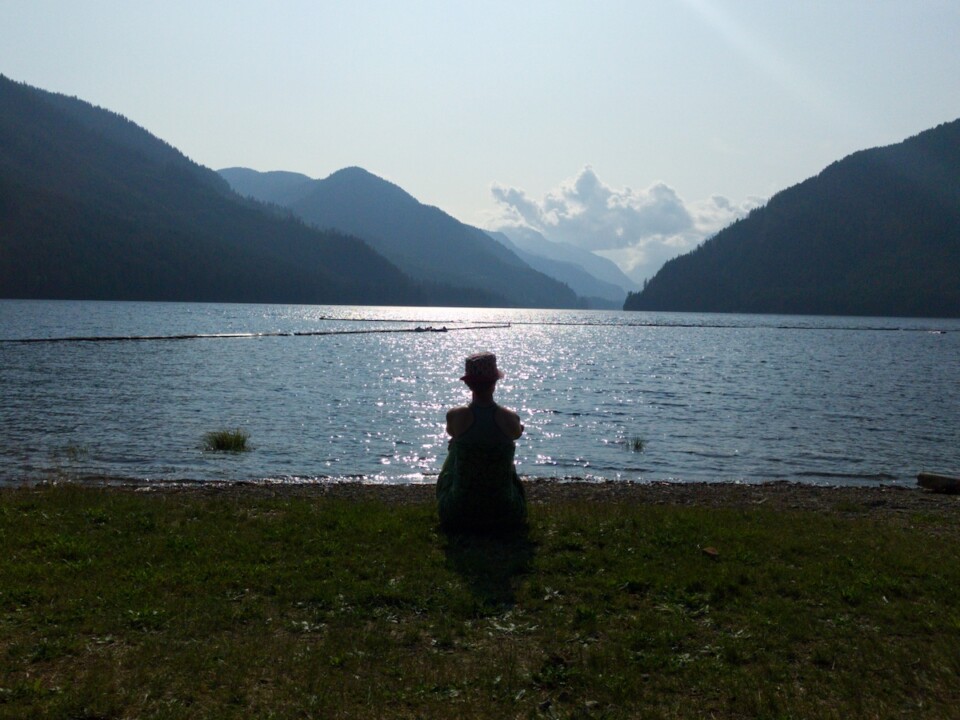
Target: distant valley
[
  {"x": 93, "y": 206},
  {"x": 433, "y": 247}
]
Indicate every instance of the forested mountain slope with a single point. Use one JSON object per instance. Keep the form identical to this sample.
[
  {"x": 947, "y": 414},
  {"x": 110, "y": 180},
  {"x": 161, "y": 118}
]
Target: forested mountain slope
[
  {"x": 877, "y": 233},
  {"x": 94, "y": 207}
]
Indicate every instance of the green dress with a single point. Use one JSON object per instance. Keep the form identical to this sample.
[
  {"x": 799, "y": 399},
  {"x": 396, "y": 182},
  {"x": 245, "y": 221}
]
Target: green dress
[{"x": 478, "y": 487}]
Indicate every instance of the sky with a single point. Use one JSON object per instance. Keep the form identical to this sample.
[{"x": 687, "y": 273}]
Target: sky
[{"x": 633, "y": 128}]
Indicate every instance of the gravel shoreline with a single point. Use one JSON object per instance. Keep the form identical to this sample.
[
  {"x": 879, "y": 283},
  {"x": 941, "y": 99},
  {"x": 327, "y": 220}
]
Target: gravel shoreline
[{"x": 879, "y": 500}]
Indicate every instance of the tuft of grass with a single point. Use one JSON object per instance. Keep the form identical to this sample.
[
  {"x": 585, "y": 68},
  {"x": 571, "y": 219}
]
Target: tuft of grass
[
  {"x": 634, "y": 444},
  {"x": 227, "y": 440},
  {"x": 238, "y": 604}
]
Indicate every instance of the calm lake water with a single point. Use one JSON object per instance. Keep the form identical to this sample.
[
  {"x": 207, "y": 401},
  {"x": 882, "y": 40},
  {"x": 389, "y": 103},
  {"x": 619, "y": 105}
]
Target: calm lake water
[{"x": 743, "y": 398}]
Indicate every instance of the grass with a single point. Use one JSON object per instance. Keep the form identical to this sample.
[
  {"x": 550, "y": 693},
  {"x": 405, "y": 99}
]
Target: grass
[
  {"x": 226, "y": 440},
  {"x": 116, "y": 604},
  {"x": 634, "y": 444}
]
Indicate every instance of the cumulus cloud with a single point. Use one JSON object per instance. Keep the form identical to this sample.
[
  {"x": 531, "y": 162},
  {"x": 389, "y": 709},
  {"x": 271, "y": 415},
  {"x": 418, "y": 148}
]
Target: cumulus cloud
[{"x": 637, "y": 229}]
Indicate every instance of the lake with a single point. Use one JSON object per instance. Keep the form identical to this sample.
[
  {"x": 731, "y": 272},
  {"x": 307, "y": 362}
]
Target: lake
[{"x": 359, "y": 393}]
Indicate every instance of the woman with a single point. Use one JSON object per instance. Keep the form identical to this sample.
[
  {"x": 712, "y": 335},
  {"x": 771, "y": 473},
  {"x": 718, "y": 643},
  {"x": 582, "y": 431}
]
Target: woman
[{"x": 478, "y": 487}]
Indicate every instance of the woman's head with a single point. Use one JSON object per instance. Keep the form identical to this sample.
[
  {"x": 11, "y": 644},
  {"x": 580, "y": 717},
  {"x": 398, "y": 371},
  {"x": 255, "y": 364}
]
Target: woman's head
[
  {"x": 481, "y": 372},
  {"x": 481, "y": 388}
]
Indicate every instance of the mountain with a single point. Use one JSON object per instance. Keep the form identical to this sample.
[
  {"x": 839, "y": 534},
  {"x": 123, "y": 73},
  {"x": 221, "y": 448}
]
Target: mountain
[
  {"x": 877, "y": 233},
  {"x": 456, "y": 263},
  {"x": 613, "y": 283},
  {"x": 93, "y": 206},
  {"x": 597, "y": 294},
  {"x": 277, "y": 187}
]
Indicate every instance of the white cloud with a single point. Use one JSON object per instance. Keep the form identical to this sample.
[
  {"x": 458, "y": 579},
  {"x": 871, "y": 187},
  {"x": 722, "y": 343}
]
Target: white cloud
[{"x": 638, "y": 229}]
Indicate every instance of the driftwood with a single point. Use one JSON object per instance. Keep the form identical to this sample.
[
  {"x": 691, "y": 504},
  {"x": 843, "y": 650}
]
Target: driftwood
[{"x": 939, "y": 483}]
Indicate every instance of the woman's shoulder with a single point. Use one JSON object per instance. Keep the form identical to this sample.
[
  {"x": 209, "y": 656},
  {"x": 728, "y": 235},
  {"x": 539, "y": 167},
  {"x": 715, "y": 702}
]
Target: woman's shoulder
[
  {"x": 509, "y": 422},
  {"x": 458, "y": 420},
  {"x": 507, "y": 412},
  {"x": 457, "y": 412}
]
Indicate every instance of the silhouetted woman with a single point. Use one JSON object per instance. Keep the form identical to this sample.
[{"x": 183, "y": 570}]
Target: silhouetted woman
[{"x": 478, "y": 488}]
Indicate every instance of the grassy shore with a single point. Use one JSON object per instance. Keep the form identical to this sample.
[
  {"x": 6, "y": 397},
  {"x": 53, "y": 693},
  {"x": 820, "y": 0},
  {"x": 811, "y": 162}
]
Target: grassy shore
[{"x": 253, "y": 603}]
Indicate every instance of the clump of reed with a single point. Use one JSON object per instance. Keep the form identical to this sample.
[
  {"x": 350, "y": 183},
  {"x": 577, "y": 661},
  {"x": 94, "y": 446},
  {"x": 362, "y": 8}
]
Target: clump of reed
[
  {"x": 633, "y": 444},
  {"x": 227, "y": 440}
]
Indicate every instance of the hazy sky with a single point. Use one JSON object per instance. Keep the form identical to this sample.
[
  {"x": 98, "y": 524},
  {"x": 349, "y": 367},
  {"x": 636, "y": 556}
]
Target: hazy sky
[{"x": 632, "y": 128}]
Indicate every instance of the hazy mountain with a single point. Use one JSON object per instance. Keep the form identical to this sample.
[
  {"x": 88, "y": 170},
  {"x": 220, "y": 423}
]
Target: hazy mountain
[
  {"x": 278, "y": 187},
  {"x": 597, "y": 294},
  {"x": 591, "y": 276},
  {"x": 533, "y": 242},
  {"x": 93, "y": 206},
  {"x": 466, "y": 264},
  {"x": 877, "y": 233}
]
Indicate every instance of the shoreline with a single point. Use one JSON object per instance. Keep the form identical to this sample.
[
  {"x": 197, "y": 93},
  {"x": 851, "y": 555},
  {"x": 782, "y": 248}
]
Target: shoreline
[{"x": 774, "y": 495}]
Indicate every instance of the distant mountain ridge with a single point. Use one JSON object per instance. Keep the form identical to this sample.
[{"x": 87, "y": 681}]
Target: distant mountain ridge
[
  {"x": 278, "y": 187},
  {"x": 94, "y": 207},
  {"x": 877, "y": 233},
  {"x": 599, "y": 267},
  {"x": 454, "y": 260},
  {"x": 590, "y": 275},
  {"x": 599, "y": 295}
]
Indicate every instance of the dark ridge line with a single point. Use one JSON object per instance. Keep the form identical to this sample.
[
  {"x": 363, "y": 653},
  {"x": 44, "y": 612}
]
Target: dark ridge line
[{"x": 225, "y": 336}]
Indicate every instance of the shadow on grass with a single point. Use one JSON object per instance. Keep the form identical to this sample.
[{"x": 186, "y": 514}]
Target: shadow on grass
[{"x": 491, "y": 563}]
